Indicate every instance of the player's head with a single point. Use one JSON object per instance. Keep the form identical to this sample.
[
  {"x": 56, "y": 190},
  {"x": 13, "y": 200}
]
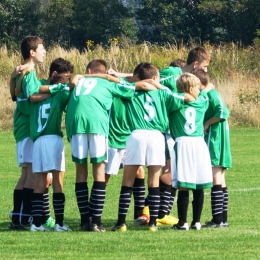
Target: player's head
[
  {"x": 148, "y": 71},
  {"x": 59, "y": 66},
  {"x": 178, "y": 63},
  {"x": 136, "y": 71},
  {"x": 198, "y": 58},
  {"x": 188, "y": 83},
  {"x": 97, "y": 66},
  {"x": 59, "y": 78},
  {"x": 202, "y": 75},
  {"x": 32, "y": 47}
]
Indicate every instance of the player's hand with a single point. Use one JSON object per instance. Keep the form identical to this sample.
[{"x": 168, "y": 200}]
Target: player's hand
[
  {"x": 206, "y": 126},
  {"x": 188, "y": 97},
  {"x": 17, "y": 71},
  {"x": 111, "y": 71}
]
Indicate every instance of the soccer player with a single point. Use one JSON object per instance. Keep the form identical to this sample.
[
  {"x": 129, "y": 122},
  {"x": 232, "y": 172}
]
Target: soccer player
[
  {"x": 60, "y": 66},
  {"x": 33, "y": 53},
  {"x": 87, "y": 124},
  {"x": 197, "y": 58},
  {"x": 191, "y": 168},
  {"x": 147, "y": 116},
  {"x": 216, "y": 131}
]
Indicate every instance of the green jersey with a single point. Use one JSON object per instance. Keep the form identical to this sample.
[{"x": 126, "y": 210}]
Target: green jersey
[
  {"x": 188, "y": 121},
  {"x": 168, "y": 77},
  {"x": 149, "y": 110},
  {"x": 46, "y": 116},
  {"x": 89, "y": 105},
  {"x": 217, "y": 139}
]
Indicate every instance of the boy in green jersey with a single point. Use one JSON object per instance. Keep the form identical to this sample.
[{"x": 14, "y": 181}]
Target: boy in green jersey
[
  {"x": 64, "y": 67},
  {"x": 33, "y": 53},
  {"x": 216, "y": 131},
  {"x": 191, "y": 167},
  {"x": 147, "y": 116}
]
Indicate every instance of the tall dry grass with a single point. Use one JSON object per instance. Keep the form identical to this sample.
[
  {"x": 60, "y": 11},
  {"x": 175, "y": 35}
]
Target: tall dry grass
[{"x": 234, "y": 71}]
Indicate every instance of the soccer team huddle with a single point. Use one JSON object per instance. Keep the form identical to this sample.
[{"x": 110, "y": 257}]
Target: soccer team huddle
[{"x": 171, "y": 121}]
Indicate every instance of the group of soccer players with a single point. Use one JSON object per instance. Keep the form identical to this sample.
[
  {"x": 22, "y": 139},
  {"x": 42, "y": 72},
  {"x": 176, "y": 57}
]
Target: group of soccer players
[{"x": 148, "y": 118}]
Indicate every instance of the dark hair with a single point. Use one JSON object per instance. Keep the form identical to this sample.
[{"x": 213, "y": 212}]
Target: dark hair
[
  {"x": 59, "y": 78},
  {"x": 29, "y": 43},
  {"x": 60, "y": 66},
  {"x": 198, "y": 54},
  {"x": 202, "y": 75},
  {"x": 147, "y": 71},
  {"x": 97, "y": 66},
  {"x": 137, "y": 68},
  {"x": 178, "y": 63}
]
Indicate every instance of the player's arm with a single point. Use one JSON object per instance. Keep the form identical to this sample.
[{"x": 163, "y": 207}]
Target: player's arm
[
  {"x": 209, "y": 87},
  {"x": 39, "y": 97},
  {"x": 18, "y": 88},
  {"x": 211, "y": 121},
  {"x": 188, "y": 97},
  {"x": 119, "y": 74},
  {"x": 147, "y": 85}
]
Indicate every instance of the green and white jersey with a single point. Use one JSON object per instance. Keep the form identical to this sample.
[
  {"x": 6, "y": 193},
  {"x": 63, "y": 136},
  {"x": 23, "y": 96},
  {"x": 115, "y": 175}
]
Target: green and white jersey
[
  {"x": 46, "y": 116},
  {"x": 21, "y": 128},
  {"x": 188, "y": 121},
  {"x": 89, "y": 105},
  {"x": 149, "y": 110},
  {"x": 218, "y": 139},
  {"x": 30, "y": 85},
  {"x": 168, "y": 77}
]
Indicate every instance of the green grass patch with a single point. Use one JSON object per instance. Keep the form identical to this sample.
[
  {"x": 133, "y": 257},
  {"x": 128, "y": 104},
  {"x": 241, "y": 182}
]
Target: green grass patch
[{"x": 239, "y": 241}]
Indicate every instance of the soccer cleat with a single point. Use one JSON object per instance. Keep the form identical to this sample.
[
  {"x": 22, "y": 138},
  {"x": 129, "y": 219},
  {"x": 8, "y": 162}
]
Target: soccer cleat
[
  {"x": 196, "y": 226},
  {"x": 212, "y": 224},
  {"x": 85, "y": 227},
  {"x": 167, "y": 220},
  {"x": 146, "y": 211},
  {"x": 96, "y": 228},
  {"x": 40, "y": 228},
  {"x": 178, "y": 227},
  {"x": 142, "y": 220},
  {"x": 224, "y": 224},
  {"x": 50, "y": 223},
  {"x": 18, "y": 227},
  {"x": 63, "y": 228},
  {"x": 119, "y": 228},
  {"x": 152, "y": 228}
]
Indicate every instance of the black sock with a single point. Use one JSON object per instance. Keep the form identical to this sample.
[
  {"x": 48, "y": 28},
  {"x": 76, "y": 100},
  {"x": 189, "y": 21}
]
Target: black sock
[
  {"x": 27, "y": 206},
  {"x": 182, "y": 205},
  {"x": 124, "y": 203},
  {"x": 139, "y": 197},
  {"x": 217, "y": 203},
  {"x": 17, "y": 202},
  {"x": 46, "y": 206},
  {"x": 81, "y": 190},
  {"x": 154, "y": 204},
  {"x": 172, "y": 198},
  {"x": 58, "y": 205},
  {"x": 37, "y": 208},
  {"x": 225, "y": 204},
  {"x": 197, "y": 205},
  {"x": 97, "y": 201},
  {"x": 165, "y": 195}
]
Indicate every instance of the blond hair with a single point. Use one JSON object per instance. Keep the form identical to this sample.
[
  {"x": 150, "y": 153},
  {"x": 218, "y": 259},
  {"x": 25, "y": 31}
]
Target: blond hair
[{"x": 186, "y": 81}]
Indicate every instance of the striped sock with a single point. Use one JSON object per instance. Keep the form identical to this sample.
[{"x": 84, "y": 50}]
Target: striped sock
[
  {"x": 81, "y": 190},
  {"x": 165, "y": 195},
  {"x": 124, "y": 203},
  {"x": 37, "y": 208},
  {"x": 58, "y": 205},
  {"x": 225, "y": 204},
  {"x": 97, "y": 201},
  {"x": 217, "y": 203},
  {"x": 171, "y": 201},
  {"x": 46, "y": 206},
  {"x": 139, "y": 197},
  {"x": 154, "y": 204}
]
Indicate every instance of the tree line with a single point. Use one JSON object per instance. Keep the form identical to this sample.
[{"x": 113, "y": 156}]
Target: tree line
[{"x": 70, "y": 23}]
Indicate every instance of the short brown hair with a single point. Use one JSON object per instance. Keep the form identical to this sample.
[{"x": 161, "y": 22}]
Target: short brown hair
[
  {"x": 59, "y": 78},
  {"x": 186, "y": 81},
  {"x": 29, "y": 43},
  {"x": 147, "y": 71},
  {"x": 178, "y": 63},
  {"x": 202, "y": 75},
  {"x": 97, "y": 66},
  {"x": 198, "y": 54}
]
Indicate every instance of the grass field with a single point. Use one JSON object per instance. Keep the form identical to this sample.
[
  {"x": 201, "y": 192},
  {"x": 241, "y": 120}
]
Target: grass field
[{"x": 239, "y": 241}]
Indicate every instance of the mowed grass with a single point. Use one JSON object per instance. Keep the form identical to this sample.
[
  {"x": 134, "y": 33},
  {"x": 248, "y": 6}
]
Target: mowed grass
[{"x": 239, "y": 241}]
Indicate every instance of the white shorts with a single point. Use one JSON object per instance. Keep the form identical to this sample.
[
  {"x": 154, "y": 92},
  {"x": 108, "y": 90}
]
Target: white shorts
[
  {"x": 48, "y": 154},
  {"x": 95, "y": 144},
  {"x": 24, "y": 151},
  {"x": 191, "y": 164},
  {"x": 145, "y": 147},
  {"x": 114, "y": 159}
]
